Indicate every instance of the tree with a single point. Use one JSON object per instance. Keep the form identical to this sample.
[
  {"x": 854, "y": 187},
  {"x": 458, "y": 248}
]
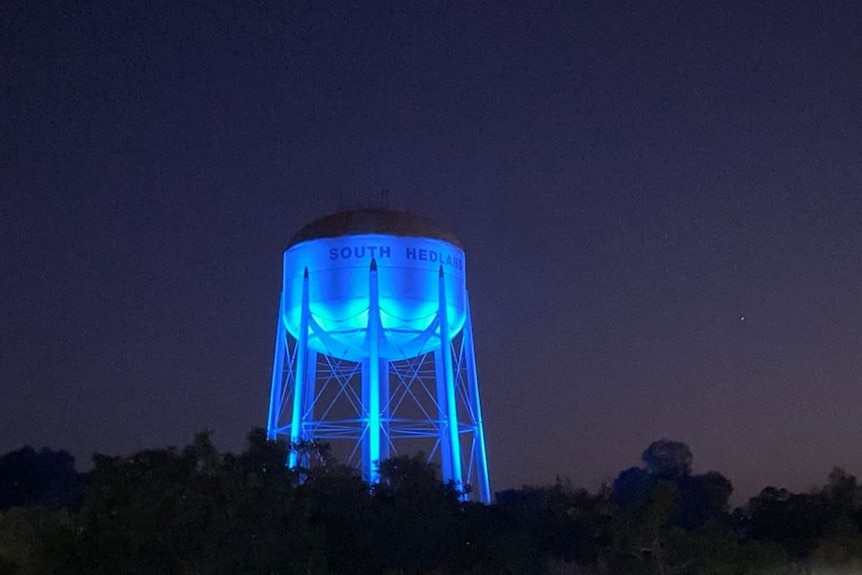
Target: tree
[
  {"x": 667, "y": 459},
  {"x": 559, "y": 521},
  {"x": 700, "y": 499},
  {"x": 42, "y": 478},
  {"x": 36, "y": 541},
  {"x": 641, "y": 532},
  {"x": 632, "y": 487},
  {"x": 796, "y": 521},
  {"x": 418, "y": 522},
  {"x": 703, "y": 498}
]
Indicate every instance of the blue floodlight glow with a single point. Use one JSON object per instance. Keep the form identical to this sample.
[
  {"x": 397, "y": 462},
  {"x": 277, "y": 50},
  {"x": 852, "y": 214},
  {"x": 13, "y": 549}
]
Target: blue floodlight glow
[
  {"x": 384, "y": 303},
  {"x": 339, "y": 291}
]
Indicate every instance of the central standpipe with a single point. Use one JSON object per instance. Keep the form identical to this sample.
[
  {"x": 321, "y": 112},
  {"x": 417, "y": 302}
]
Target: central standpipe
[{"x": 371, "y": 388}]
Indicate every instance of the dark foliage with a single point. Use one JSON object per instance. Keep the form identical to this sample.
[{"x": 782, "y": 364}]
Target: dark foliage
[
  {"x": 42, "y": 478},
  {"x": 700, "y": 499},
  {"x": 197, "y": 511},
  {"x": 667, "y": 459}
]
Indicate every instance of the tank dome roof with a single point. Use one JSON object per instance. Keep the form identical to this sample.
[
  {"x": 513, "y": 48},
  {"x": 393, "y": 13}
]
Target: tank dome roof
[{"x": 372, "y": 221}]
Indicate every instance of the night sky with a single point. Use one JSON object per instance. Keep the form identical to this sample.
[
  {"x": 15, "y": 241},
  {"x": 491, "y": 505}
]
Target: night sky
[{"x": 660, "y": 204}]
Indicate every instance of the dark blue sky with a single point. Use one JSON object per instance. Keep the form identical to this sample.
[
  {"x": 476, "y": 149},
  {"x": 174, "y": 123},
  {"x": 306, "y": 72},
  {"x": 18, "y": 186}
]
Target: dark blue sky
[{"x": 629, "y": 180}]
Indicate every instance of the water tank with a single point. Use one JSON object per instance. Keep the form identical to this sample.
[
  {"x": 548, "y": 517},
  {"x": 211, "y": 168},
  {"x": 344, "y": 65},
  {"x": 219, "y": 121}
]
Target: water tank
[
  {"x": 409, "y": 253},
  {"x": 374, "y": 348}
]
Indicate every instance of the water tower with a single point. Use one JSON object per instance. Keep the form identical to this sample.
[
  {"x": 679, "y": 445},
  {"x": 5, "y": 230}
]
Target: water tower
[{"x": 374, "y": 346}]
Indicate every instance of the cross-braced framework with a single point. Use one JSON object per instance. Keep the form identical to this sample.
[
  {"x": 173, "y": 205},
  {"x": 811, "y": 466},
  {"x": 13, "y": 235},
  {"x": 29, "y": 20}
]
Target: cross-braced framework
[{"x": 426, "y": 403}]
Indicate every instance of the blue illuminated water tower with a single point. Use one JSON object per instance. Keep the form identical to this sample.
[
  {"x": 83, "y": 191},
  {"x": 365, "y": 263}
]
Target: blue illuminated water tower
[{"x": 374, "y": 346}]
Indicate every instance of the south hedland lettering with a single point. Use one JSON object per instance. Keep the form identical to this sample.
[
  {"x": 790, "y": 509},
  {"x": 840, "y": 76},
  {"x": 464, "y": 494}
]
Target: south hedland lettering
[
  {"x": 347, "y": 252},
  {"x": 381, "y": 252},
  {"x": 434, "y": 256}
]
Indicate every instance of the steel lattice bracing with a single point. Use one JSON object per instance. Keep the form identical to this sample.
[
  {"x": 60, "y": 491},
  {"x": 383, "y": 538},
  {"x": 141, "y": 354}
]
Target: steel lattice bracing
[{"x": 380, "y": 406}]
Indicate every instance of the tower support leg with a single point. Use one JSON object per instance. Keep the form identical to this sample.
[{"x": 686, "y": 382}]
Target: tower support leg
[
  {"x": 276, "y": 393},
  {"x": 308, "y": 399},
  {"x": 299, "y": 391},
  {"x": 449, "y": 380},
  {"x": 384, "y": 409},
  {"x": 480, "y": 455}
]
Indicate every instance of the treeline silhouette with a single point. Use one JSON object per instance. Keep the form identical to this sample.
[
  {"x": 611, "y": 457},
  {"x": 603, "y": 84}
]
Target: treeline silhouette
[{"x": 197, "y": 511}]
